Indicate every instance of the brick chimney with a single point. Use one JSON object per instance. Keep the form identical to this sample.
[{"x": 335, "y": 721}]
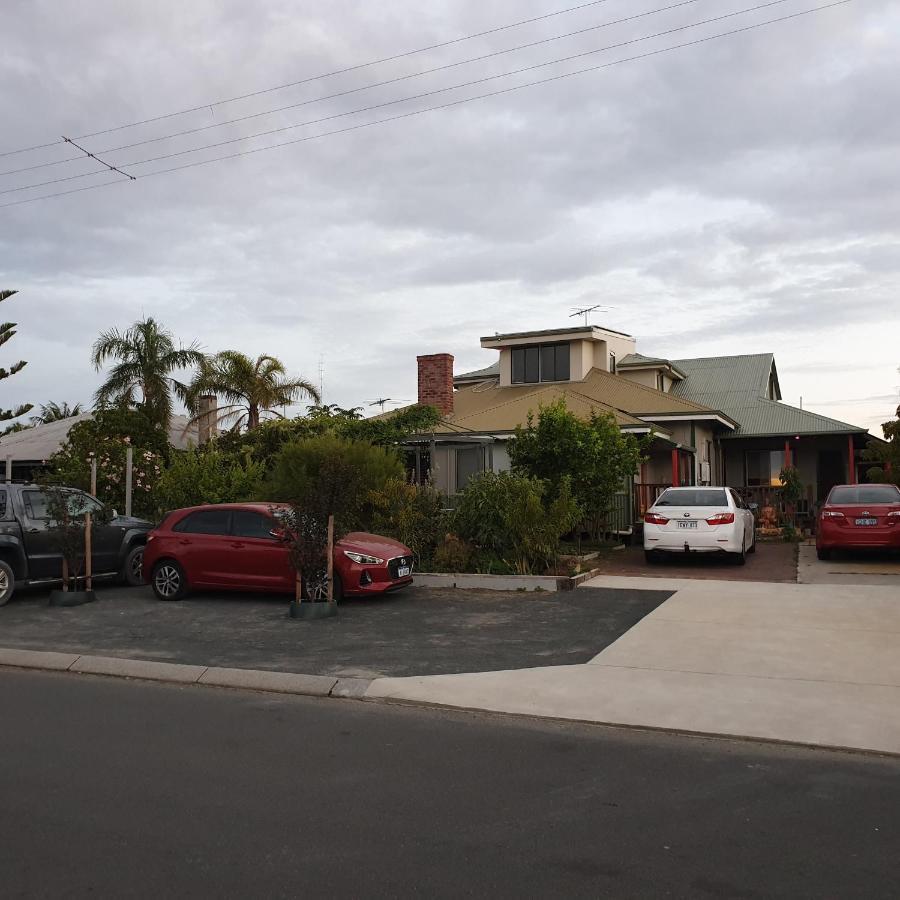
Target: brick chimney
[{"x": 436, "y": 381}]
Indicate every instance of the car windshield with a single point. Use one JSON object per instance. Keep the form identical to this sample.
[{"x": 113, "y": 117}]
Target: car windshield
[
  {"x": 698, "y": 497},
  {"x": 865, "y": 493}
]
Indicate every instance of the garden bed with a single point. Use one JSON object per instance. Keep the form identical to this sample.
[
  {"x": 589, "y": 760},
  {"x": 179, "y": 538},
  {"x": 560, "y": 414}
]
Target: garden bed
[{"x": 475, "y": 581}]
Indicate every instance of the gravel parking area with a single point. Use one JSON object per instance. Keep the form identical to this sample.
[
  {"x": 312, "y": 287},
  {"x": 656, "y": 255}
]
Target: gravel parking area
[
  {"x": 776, "y": 562},
  {"x": 414, "y": 632}
]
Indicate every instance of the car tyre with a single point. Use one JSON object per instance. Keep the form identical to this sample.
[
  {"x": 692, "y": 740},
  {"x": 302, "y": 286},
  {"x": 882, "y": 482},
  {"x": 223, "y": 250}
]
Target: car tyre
[
  {"x": 753, "y": 545},
  {"x": 132, "y": 568},
  {"x": 168, "y": 580},
  {"x": 740, "y": 558},
  {"x": 337, "y": 588},
  {"x": 823, "y": 553},
  {"x": 7, "y": 582}
]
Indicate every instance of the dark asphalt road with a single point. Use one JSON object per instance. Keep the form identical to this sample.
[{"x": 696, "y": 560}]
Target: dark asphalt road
[
  {"x": 126, "y": 789},
  {"x": 413, "y": 632}
]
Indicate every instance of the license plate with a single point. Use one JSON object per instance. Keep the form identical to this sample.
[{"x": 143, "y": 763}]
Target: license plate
[
  {"x": 687, "y": 524},
  {"x": 403, "y": 572},
  {"x": 867, "y": 521}
]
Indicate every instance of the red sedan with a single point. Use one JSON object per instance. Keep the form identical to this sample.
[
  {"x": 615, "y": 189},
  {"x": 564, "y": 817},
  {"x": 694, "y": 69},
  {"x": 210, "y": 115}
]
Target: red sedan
[
  {"x": 239, "y": 546},
  {"x": 859, "y": 516}
]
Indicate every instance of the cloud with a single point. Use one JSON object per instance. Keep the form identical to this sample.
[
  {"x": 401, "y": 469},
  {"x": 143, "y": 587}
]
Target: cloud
[{"x": 736, "y": 196}]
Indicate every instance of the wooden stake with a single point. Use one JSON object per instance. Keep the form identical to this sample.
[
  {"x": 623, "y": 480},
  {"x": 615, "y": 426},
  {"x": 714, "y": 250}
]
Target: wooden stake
[
  {"x": 330, "y": 562},
  {"x": 298, "y": 588},
  {"x": 129, "y": 470},
  {"x": 65, "y": 574}
]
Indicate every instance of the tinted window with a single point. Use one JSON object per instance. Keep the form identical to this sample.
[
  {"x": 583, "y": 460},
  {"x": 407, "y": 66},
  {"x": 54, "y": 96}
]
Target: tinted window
[
  {"x": 35, "y": 504},
  {"x": 207, "y": 521},
  {"x": 699, "y": 497},
  {"x": 251, "y": 525},
  {"x": 2, "y": 504},
  {"x": 865, "y": 493},
  {"x": 542, "y": 362},
  {"x": 79, "y": 504},
  {"x": 532, "y": 364}
]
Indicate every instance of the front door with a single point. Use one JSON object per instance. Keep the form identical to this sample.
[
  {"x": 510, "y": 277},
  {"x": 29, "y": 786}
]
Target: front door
[
  {"x": 257, "y": 558},
  {"x": 829, "y": 472}
]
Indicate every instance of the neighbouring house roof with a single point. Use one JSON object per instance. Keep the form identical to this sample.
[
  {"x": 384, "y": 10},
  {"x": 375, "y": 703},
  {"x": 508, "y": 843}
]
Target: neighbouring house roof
[
  {"x": 551, "y": 332},
  {"x": 738, "y": 386},
  {"x": 488, "y": 372},
  {"x": 37, "y": 444}
]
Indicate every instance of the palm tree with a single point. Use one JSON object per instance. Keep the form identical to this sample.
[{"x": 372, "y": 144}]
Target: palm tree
[
  {"x": 251, "y": 389},
  {"x": 147, "y": 356},
  {"x": 55, "y": 412}
]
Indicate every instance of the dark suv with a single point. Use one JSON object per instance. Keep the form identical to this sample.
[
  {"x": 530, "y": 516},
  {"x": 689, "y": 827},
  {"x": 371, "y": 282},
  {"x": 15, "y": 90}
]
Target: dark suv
[{"x": 28, "y": 553}]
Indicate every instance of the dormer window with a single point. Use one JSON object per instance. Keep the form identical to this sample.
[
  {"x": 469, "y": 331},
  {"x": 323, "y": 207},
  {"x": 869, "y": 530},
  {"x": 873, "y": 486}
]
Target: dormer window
[{"x": 540, "y": 362}]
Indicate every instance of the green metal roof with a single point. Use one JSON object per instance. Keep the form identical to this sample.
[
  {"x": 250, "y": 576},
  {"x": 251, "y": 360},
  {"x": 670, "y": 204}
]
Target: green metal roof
[
  {"x": 492, "y": 371},
  {"x": 738, "y": 386}
]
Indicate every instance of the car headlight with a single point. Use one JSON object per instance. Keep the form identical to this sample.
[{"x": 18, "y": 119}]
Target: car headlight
[{"x": 363, "y": 558}]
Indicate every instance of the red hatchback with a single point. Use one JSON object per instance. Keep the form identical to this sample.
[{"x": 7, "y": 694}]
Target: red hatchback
[
  {"x": 237, "y": 546},
  {"x": 859, "y": 516}
]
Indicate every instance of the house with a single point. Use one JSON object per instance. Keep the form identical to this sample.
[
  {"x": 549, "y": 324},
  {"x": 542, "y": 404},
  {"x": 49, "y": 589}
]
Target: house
[
  {"x": 25, "y": 453},
  {"x": 717, "y": 420}
]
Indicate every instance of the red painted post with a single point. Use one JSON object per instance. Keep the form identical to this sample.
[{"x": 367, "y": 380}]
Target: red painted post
[
  {"x": 676, "y": 474},
  {"x": 787, "y": 454},
  {"x": 851, "y": 467}
]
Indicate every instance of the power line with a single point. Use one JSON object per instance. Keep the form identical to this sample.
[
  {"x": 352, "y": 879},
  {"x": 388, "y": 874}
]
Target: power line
[
  {"x": 441, "y": 106},
  {"x": 354, "y": 68},
  {"x": 367, "y": 87},
  {"x": 387, "y": 103}
]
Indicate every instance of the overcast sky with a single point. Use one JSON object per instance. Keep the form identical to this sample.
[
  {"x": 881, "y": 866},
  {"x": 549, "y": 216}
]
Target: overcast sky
[{"x": 737, "y": 196}]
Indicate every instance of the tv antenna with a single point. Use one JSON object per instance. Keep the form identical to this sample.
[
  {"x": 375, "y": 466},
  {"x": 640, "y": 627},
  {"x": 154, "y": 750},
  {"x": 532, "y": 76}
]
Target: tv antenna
[
  {"x": 586, "y": 311},
  {"x": 381, "y": 401}
]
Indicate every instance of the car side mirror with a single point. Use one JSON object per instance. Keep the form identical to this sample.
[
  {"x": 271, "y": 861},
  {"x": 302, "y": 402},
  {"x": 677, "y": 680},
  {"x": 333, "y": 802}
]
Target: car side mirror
[
  {"x": 753, "y": 506},
  {"x": 277, "y": 533},
  {"x": 114, "y": 513}
]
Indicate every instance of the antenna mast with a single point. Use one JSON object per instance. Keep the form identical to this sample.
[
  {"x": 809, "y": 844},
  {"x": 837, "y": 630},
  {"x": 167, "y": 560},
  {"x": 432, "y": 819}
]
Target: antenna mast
[{"x": 586, "y": 312}]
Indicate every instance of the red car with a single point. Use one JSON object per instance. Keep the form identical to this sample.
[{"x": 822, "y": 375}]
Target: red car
[
  {"x": 239, "y": 546},
  {"x": 859, "y": 516}
]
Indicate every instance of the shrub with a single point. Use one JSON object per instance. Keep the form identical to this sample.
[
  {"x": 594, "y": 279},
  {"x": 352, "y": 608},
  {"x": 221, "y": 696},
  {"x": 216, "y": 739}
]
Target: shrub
[
  {"x": 512, "y": 517},
  {"x": 593, "y": 454},
  {"x": 452, "y": 554},
  {"x": 413, "y": 515},
  {"x": 299, "y": 465},
  {"x": 206, "y": 476}
]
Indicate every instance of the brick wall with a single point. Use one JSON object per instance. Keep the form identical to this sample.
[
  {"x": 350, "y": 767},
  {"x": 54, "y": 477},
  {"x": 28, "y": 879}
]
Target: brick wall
[{"x": 436, "y": 381}]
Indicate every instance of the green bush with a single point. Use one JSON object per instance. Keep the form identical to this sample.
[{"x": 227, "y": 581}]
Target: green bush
[
  {"x": 299, "y": 463},
  {"x": 206, "y": 476},
  {"x": 452, "y": 554},
  {"x": 511, "y": 516},
  {"x": 413, "y": 515}
]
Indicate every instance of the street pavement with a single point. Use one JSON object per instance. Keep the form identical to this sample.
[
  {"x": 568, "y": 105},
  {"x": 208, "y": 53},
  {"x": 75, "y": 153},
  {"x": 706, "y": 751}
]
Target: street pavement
[
  {"x": 815, "y": 664},
  {"x": 116, "y": 788}
]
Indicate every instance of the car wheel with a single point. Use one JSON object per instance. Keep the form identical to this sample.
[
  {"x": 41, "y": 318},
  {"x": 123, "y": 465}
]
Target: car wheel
[
  {"x": 168, "y": 580},
  {"x": 740, "y": 557},
  {"x": 651, "y": 557},
  {"x": 753, "y": 545},
  {"x": 337, "y": 588},
  {"x": 7, "y": 582},
  {"x": 823, "y": 553},
  {"x": 132, "y": 569}
]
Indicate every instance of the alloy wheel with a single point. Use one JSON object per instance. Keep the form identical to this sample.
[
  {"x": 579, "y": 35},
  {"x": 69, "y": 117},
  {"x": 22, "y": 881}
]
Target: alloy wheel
[
  {"x": 137, "y": 564},
  {"x": 4, "y": 582},
  {"x": 167, "y": 581}
]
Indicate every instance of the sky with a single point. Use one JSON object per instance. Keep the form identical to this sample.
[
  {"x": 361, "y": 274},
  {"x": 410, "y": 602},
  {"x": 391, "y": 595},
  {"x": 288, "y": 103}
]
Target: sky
[{"x": 735, "y": 196}]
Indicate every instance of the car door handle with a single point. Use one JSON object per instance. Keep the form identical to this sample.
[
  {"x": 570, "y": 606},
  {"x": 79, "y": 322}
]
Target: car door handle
[
  {"x": 184, "y": 542},
  {"x": 238, "y": 545}
]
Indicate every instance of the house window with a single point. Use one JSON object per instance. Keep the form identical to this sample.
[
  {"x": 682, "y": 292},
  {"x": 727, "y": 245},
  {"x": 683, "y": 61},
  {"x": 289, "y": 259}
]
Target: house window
[
  {"x": 612, "y": 363},
  {"x": 540, "y": 362},
  {"x": 763, "y": 467},
  {"x": 469, "y": 462}
]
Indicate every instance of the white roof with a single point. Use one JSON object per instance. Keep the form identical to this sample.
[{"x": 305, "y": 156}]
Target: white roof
[{"x": 39, "y": 443}]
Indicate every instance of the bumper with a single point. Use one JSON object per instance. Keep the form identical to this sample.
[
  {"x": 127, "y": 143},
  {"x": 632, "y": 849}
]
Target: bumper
[
  {"x": 715, "y": 540},
  {"x": 836, "y": 537},
  {"x": 359, "y": 580}
]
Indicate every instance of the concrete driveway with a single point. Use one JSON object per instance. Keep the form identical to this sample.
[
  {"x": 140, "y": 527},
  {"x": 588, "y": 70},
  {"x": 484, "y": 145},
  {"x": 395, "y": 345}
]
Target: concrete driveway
[
  {"x": 813, "y": 664},
  {"x": 869, "y": 568}
]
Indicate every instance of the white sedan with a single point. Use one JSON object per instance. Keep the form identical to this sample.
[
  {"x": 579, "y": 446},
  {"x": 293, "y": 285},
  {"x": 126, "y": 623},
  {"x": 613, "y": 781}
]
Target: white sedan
[{"x": 699, "y": 520}]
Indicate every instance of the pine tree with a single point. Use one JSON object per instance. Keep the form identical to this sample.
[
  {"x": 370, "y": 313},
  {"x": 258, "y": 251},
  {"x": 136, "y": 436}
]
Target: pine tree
[{"x": 7, "y": 331}]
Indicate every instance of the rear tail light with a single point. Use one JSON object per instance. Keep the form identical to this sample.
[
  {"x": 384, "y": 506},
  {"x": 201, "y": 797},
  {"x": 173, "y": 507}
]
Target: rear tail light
[
  {"x": 895, "y": 515},
  {"x": 654, "y": 519},
  {"x": 721, "y": 519},
  {"x": 832, "y": 514}
]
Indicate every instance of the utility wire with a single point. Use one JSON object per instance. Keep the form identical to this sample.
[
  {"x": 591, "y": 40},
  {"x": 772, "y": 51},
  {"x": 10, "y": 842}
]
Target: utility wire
[
  {"x": 449, "y": 104},
  {"x": 387, "y": 103},
  {"x": 367, "y": 87},
  {"x": 354, "y": 68}
]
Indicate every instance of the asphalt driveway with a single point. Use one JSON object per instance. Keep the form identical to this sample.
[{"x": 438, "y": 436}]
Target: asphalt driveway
[{"x": 416, "y": 632}]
